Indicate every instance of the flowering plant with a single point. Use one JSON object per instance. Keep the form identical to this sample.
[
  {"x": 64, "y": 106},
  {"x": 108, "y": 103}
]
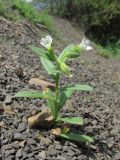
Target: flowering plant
[{"x": 56, "y": 99}]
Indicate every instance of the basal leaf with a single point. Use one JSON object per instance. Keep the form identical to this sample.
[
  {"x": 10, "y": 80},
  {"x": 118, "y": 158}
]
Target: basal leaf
[
  {"x": 72, "y": 120},
  {"x": 29, "y": 94},
  {"x": 77, "y": 137},
  {"x": 33, "y": 94}
]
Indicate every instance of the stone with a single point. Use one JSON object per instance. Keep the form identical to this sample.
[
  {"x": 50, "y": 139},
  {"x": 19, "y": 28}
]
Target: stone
[
  {"x": 56, "y": 131},
  {"x": 6, "y": 147},
  {"x": 11, "y": 157},
  {"x": 24, "y": 120},
  {"x": 61, "y": 158},
  {"x": 2, "y": 97},
  {"x": 31, "y": 141},
  {"x": 42, "y": 154},
  {"x": 8, "y": 100},
  {"x": 22, "y": 143},
  {"x": 27, "y": 148},
  {"x": 25, "y": 156},
  {"x": 19, "y": 153},
  {"x": 43, "y": 84},
  {"x": 32, "y": 158},
  {"x": 5, "y": 141},
  {"x": 82, "y": 157},
  {"x": 58, "y": 147},
  {"x": 41, "y": 120},
  {"x": 52, "y": 151},
  {"x": 47, "y": 141},
  {"x": 110, "y": 142},
  {"x": 21, "y": 127},
  {"x": 18, "y": 136},
  {"x": 31, "y": 154},
  {"x": 117, "y": 156},
  {"x": 70, "y": 153},
  {"x": 65, "y": 148},
  {"x": 9, "y": 152}
]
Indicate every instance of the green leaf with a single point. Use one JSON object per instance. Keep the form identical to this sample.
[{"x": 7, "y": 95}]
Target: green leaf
[
  {"x": 29, "y": 94},
  {"x": 75, "y": 52},
  {"x": 52, "y": 104},
  {"x": 72, "y": 120},
  {"x": 78, "y": 87},
  {"x": 40, "y": 52},
  {"x": 64, "y": 68},
  {"x": 62, "y": 57},
  {"x": 49, "y": 66},
  {"x": 63, "y": 96},
  {"x": 71, "y": 51},
  {"x": 67, "y": 91},
  {"x": 77, "y": 137}
]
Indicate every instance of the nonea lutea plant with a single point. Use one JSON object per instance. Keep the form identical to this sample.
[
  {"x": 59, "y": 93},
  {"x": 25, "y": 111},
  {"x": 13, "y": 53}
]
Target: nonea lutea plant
[{"x": 56, "y": 66}]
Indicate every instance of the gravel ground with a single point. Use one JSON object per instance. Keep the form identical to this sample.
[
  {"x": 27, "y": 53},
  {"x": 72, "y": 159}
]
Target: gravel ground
[{"x": 100, "y": 109}]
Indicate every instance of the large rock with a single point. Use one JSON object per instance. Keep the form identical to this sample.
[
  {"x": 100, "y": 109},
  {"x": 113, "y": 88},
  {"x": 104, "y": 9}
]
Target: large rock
[{"x": 43, "y": 119}]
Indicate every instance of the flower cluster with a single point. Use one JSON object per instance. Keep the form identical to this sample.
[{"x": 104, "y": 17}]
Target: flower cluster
[{"x": 47, "y": 42}]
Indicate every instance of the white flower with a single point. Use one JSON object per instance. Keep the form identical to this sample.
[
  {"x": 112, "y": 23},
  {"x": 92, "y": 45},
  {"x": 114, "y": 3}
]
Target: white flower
[
  {"x": 46, "y": 42},
  {"x": 29, "y": 1},
  {"x": 85, "y": 44}
]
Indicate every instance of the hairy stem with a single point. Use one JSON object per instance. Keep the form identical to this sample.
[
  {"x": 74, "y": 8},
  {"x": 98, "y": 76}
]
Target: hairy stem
[
  {"x": 57, "y": 93},
  {"x": 57, "y": 85}
]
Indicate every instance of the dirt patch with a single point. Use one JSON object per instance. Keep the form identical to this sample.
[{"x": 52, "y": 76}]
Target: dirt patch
[{"x": 100, "y": 109}]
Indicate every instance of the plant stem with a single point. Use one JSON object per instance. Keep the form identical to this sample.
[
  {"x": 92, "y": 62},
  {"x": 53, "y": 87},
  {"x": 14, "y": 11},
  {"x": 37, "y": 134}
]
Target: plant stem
[
  {"x": 57, "y": 93},
  {"x": 57, "y": 85}
]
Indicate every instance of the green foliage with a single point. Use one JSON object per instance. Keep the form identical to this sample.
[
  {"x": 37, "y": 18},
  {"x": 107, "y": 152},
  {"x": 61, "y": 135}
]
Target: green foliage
[
  {"x": 30, "y": 94},
  {"x": 7, "y": 12},
  {"x": 99, "y": 19},
  {"x": 72, "y": 120},
  {"x": 77, "y": 137},
  {"x": 16, "y": 9},
  {"x": 26, "y": 10},
  {"x": 55, "y": 66},
  {"x": 111, "y": 50},
  {"x": 2, "y": 7},
  {"x": 47, "y": 20}
]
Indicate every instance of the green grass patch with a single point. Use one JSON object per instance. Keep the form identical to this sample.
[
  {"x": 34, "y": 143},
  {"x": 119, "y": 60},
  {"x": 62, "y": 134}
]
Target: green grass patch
[
  {"x": 16, "y": 10},
  {"x": 111, "y": 50}
]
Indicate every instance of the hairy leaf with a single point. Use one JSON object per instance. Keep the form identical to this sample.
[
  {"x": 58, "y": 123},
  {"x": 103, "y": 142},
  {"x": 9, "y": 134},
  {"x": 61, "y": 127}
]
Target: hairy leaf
[
  {"x": 64, "y": 68},
  {"x": 40, "y": 52},
  {"x": 77, "y": 87},
  {"x": 67, "y": 91},
  {"x": 77, "y": 137},
  {"x": 29, "y": 94},
  {"x": 72, "y": 120},
  {"x": 49, "y": 66},
  {"x": 62, "y": 57},
  {"x": 71, "y": 51},
  {"x": 52, "y": 104},
  {"x": 63, "y": 96}
]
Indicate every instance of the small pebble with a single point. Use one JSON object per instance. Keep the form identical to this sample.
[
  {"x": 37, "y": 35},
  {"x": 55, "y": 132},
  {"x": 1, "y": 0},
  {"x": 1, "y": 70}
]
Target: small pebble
[{"x": 19, "y": 153}]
